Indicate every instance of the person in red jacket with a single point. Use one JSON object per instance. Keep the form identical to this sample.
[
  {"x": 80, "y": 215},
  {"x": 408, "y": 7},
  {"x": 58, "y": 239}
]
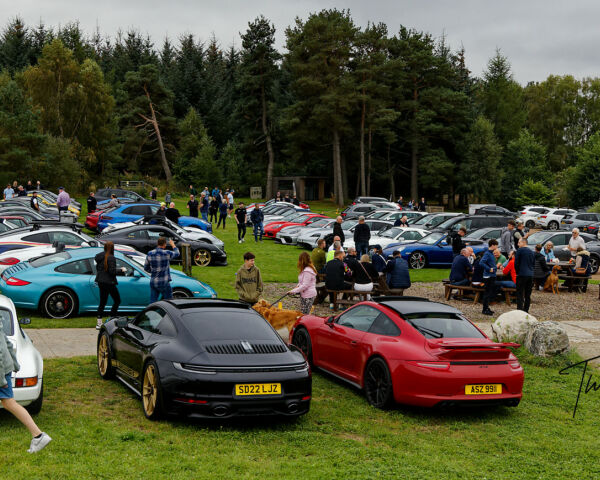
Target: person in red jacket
[{"x": 509, "y": 269}]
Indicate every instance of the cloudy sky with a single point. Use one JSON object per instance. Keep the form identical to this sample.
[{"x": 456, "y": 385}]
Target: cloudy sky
[{"x": 539, "y": 37}]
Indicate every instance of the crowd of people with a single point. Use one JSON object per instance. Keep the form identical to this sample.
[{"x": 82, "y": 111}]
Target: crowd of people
[{"x": 520, "y": 267}]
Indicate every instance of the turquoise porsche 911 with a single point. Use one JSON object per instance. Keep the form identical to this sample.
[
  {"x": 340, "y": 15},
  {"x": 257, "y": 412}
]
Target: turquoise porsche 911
[{"x": 62, "y": 284}]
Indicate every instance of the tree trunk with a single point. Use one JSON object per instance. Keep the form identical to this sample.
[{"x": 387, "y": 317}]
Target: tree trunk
[
  {"x": 391, "y": 173},
  {"x": 345, "y": 188},
  {"x": 267, "y": 135},
  {"x": 161, "y": 148},
  {"x": 369, "y": 161},
  {"x": 363, "y": 188},
  {"x": 414, "y": 187},
  {"x": 339, "y": 196}
]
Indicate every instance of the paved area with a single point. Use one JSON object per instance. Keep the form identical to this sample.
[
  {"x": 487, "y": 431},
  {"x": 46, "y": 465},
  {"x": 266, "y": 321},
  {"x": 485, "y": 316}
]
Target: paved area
[{"x": 73, "y": 342}]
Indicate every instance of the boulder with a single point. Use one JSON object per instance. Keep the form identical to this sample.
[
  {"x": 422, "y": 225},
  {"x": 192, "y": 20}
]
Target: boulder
[
  {"x": 513, "y": 326},
  {"x": 547, "y": 338}
]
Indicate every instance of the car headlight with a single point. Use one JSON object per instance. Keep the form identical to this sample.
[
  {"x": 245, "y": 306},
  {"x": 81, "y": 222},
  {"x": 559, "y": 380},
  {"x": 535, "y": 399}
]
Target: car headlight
[{"x": 400, "y": 248}]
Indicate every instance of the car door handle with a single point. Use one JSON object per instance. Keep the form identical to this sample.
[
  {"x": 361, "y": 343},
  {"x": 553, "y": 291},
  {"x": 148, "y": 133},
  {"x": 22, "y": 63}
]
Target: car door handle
[{"x": 354, "y": 343}]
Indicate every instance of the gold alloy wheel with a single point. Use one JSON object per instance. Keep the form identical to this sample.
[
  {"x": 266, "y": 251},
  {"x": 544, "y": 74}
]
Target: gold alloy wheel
[
  {"x": 202, "y": 258},
  {"x": 103, "y": 360},
  {"x": 149, "y": 390}
]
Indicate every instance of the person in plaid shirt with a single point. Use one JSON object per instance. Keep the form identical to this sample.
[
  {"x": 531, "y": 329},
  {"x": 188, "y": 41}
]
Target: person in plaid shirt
[{"x": 157, "y": 265}]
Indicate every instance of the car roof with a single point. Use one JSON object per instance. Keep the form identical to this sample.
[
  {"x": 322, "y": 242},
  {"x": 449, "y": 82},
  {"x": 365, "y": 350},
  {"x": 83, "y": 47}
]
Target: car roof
[
  {"x": 411, "y": 305},
  {"x": 192, "y": 303}
]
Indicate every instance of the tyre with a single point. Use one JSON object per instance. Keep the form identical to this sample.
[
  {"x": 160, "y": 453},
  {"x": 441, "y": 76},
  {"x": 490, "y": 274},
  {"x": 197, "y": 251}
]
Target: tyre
[
  {"x": 181, "y": 293},
  {"x": 417, "y": 260},
  {"x": 59, "y": 303},
  {"x": 530, "y": 224},
  {"x": 151, "y": 392},
  {"x": 301, "y": 339},
  {"x": 594, "y": 264},
  {"x": 35, "y": 406},
  {"x": 553, "y": 225},
  {"x": 378, "y": 384},
  {"x": 202, "y": 257},
  {"x": 103, "y": 357}
]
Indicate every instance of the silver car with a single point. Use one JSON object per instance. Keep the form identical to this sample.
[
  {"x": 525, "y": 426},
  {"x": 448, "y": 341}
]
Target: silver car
[{"x": 290, "y": 235}]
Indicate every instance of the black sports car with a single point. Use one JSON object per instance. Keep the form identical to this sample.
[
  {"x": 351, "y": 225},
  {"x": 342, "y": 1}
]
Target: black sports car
[
  {"x": 208, "y": 358},
  {"x": 143, "y": 238}
]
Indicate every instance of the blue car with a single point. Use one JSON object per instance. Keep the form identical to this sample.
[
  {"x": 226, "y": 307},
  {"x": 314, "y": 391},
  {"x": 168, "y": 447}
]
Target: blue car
[
  {"x": 62, "y": 284},
  {"x": 432, "y": 250},
  {"x": 131, "y": 212}
]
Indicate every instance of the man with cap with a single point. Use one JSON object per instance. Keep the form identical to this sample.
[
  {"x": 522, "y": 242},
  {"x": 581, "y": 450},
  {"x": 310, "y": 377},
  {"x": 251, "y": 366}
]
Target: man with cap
[{"x": 162, "y": 210}]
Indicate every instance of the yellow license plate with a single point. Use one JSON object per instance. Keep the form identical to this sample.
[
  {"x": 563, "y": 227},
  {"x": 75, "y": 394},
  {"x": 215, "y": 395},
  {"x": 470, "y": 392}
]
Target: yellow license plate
[
  {"x": 489, "y": 389},
  {"x": 258, "y": 389}
]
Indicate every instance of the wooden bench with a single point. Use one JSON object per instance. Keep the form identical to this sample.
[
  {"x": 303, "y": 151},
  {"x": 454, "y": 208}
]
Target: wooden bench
[
  {"x": 382, "y": 288},
  {"x": 462, "y": 289},
  {"x": 575, "y": 282},
  {"x": 508, "y": 293},
  {"x": 351, "y": 297}
]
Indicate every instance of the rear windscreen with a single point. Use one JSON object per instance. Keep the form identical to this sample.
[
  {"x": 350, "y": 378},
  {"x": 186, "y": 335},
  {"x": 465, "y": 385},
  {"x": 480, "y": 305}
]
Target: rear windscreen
[
  {"x": 49, "y": 259},
  {"x": 443, "y": 325},
  {"x": 208, "y": 325}
]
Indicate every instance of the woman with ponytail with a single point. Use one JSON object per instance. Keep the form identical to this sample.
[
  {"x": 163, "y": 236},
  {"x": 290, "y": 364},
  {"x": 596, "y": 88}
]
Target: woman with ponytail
[{"x": 106, "y": 278}]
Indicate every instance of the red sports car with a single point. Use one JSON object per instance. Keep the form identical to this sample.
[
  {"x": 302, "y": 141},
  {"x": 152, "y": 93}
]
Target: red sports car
[
  {"x": 413, "y": 351},
  {"x": 272, "y": 228}
]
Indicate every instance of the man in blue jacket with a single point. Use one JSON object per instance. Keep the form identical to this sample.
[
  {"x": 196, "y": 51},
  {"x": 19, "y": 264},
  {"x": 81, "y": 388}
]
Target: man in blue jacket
[
  {"x": 397, "y": 272},
  {"x": 379, "y": 262},
  {"x": 257, "y": 217},
  {"x": 524, "y": 265},
  {"x": 488, "y": 262},
  {"x": 461, "y": 269}
]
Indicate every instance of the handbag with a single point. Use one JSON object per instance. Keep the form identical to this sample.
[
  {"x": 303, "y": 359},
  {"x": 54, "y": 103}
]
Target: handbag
[{"x": 581, "y": 271}]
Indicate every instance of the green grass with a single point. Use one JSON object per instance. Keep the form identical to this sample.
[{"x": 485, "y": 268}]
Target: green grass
[
  {"x": 100, "y": 432},
  {"x": 277, "y": 264}
]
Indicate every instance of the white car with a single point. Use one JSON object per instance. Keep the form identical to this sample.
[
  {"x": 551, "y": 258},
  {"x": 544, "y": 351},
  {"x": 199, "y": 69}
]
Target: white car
[
  {"x": 27, "y": 383},
  {"x": 188, "y": 233},
  {"x": 392, "y": 235},
  {"x": 551, "y": 219},
  {"x": 529, "y": 215}
]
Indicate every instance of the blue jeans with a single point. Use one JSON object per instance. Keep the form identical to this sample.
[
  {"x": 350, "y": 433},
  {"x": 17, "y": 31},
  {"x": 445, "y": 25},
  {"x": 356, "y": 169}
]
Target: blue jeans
[
  {"x": 204, "y": 215},
  {"x": 258, "y": 229},
  {"x": 506, "y": 284},
  {"x": 361, "y": 248},
  {"x": 166, "y": 291},
  {"x": 460, "y": 283}
]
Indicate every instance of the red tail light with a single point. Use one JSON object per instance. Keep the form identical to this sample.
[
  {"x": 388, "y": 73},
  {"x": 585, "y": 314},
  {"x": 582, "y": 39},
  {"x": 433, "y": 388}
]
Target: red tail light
[
  {"x": 514, "y": 364},
  {"x": 353, "y": 203},
  {"x": 16, "y": 282},
  {"x": 523, "y": 213},
  {"x": 9, "y": 261},
  {"x": 433, "y": 365},
  {"x": 304, "y": 399},
  {"x": 191, "y": 400},
  {"x": 543, "y": 216}
]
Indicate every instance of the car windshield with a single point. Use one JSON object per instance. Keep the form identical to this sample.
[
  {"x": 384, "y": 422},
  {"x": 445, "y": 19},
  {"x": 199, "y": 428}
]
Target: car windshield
[
  {"x": 49, "y": 259},
  {"x": 437, "y": 220},
  {"x": 348, "y": 224},
  {"x": 6, "y": 321},
  {"x": 421, "y": 220},
  {"x": 391, "y": 233},
  {"x": 447, "y": 223},
  {"x": 320, "y": 223},
  {"x": 432, "y": 238},
  {"x": 216, "y": 325},
  {"x": 539, "y": 237},
  {"x": 443, "y": 325}
]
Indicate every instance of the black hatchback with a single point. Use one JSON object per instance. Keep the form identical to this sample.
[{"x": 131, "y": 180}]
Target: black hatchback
[{"x": 207, "y": 359}]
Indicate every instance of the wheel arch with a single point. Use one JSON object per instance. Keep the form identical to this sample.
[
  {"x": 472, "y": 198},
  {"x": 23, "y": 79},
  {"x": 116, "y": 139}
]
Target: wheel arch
[
  {"x": 71, "y": 289},
  {"x": 373, "y": 356}
]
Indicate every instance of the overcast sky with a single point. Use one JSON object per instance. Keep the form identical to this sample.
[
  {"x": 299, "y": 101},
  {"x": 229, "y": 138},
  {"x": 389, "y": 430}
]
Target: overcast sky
[{"x": 539, "y": 37}]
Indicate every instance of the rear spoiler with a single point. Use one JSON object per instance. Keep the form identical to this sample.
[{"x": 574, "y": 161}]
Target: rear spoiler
[{"x": 472, "y": 346}]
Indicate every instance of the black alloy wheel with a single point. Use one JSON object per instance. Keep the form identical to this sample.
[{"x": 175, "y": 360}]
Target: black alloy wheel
[
  {"x": 59, "y": 303},
  {"x": 302, "y": 340},
  {"x": 378, "y": 384}
]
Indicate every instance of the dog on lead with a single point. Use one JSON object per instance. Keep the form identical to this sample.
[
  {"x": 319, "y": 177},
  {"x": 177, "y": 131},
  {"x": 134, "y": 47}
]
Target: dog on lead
[
  {"x": 277, "y": 318},
  {"x": 551, "y": 284}
]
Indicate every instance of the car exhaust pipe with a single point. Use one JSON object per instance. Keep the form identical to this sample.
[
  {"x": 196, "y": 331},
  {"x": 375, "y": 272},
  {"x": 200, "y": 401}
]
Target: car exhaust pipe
[
  {"x": 220, "y": 410},
  {"x": 293, "y": 407}
]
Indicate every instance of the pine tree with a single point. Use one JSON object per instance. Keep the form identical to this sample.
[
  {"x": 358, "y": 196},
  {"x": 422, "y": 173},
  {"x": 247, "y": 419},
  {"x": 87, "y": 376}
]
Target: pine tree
[{"x": 15, "y": 46}]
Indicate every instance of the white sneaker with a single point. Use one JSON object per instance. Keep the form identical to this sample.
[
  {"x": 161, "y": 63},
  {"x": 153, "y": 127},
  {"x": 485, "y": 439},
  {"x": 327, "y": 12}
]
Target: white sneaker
[
  {"x": 38, "y": 443},
  {"x": 98, "y": 323},
  {"x": 239, "y": 241}
]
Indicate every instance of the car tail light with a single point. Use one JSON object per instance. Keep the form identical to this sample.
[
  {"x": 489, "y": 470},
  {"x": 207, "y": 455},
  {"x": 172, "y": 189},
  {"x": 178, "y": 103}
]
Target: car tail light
[
  {"x": 433, "y": 365},
  {"x": 191, "y": 400},
  {"x": 591, "y": 227},
  {"x": 353, "y": 203},
  {"x": 306, "y": 398},
  {"x": 26, "y": 382},
  {"x": 543, "y": 216},
  {"x": 523, "y": 213},
  {"x": 9, "y": 261},
  {"x": 16, "y": 282},
  {"x": 514, "y": 364}
]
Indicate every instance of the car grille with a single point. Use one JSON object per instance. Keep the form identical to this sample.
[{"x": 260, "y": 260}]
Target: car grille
[{"x": 238, "y": 348}]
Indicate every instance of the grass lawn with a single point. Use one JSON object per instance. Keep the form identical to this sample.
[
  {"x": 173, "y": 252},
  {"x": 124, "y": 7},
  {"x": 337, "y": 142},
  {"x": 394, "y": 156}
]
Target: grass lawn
[
  {"x": 277, "y": 263},
  {"x": 100, "y": 432}
]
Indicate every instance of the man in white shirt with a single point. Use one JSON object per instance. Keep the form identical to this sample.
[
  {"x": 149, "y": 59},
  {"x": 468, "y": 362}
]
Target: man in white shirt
[
  {"x": 230, "y": 202},
  {"x": 575, "y": 242}
]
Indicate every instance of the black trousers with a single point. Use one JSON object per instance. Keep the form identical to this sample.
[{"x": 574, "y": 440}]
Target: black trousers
[
  {"x": 241, "y": 230},
  {"x": 488, "y": 294},
  {"x": 212, "y": 216},
  {"x": 524, "y": 286},
  {"x": 105, "y": 291},
  {"x": 223, "y": 217}
]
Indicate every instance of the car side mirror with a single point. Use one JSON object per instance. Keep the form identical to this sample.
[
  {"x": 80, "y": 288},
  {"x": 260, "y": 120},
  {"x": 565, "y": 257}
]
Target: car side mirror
[
  {"x": 122, "y": 322},
  {"x": 93, "y": 243},
  {"x": 24, "y": 321},
  {"x": 329, "y": 321}
]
